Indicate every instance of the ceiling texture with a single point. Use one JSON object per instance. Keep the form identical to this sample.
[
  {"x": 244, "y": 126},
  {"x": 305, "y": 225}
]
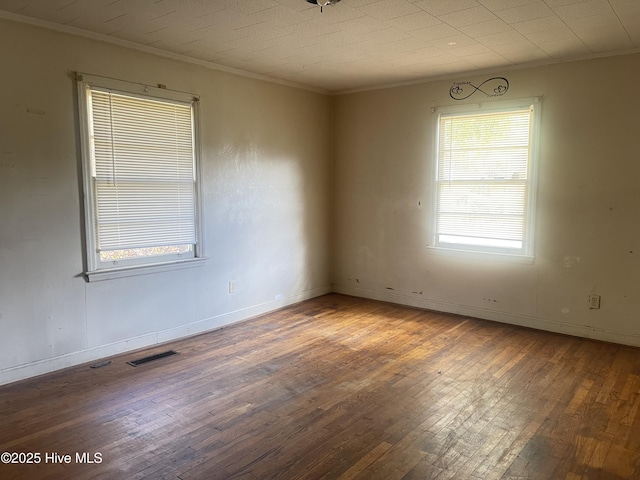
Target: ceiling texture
[{"x": 355, "y": 44}]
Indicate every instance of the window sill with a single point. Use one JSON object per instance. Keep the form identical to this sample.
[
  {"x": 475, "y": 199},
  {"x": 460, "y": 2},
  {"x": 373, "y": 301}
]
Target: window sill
[
  {"x": 471, "y": 254},
  {"x": 131, "y": 271}
]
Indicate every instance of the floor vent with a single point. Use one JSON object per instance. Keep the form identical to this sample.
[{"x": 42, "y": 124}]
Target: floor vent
[{"x": 151, "y": 358}]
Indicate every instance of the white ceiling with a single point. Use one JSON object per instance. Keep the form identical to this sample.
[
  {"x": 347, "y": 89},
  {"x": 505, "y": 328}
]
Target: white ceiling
[{"x": 355, "y": 44}]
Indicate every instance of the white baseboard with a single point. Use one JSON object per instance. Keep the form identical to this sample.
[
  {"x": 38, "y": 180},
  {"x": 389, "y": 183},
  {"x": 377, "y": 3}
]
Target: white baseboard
[
  {"x": 41, "y": 367},
  {"x": 49, "y": 365},
  {"x": 583, "y": 331},
  {"x": 238, "y": 315}
]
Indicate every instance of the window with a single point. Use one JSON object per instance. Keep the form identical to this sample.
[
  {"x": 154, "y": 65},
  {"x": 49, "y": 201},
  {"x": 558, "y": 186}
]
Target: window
[
  {"x": 484, "y": 179},
  {"x": 139, "y": 149}
]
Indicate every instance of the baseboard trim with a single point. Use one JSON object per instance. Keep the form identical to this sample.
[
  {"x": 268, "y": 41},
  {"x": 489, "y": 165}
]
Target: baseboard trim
[
  {"x": 41, "y": 367},
  {"x": 583, "y": 331}
]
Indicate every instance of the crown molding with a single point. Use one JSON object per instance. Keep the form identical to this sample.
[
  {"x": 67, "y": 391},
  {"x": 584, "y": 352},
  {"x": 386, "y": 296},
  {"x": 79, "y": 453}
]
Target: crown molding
[{"x": 153, "y": 51}]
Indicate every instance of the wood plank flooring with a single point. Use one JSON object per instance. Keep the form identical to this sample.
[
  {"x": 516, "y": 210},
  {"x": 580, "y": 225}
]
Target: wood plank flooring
[{"x": 339, "y": 388}]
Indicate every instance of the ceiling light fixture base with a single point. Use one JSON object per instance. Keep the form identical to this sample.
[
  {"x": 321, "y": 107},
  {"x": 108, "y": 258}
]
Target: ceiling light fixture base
[{"x": 323, "y": 3}]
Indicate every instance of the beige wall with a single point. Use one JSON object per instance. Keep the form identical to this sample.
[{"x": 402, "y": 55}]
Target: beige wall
[
  {"x": 587, "y": 235},
  {"x": 266, "y": 181}
]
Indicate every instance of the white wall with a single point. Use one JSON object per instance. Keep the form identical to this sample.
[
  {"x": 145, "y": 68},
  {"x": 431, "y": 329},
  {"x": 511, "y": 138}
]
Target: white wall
[
  {"x": 266, "y": 172},
  {"x": 587, "y": 236}
]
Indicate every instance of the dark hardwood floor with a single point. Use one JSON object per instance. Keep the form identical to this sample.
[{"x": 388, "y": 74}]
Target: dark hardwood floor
[{"x": 344, "y": 388}]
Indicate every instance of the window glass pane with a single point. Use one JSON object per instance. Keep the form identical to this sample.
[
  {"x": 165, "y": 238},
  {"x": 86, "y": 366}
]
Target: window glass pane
[
  {"x": 483, "y": 180},
  {"x": 119, "y": 255},
  {"x": 480, "y": 242},
  {"x": 144, "y": 175}
]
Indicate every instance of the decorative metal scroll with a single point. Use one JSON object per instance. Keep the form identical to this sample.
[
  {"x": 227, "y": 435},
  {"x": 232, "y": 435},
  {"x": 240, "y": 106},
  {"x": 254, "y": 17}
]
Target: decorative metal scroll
[{"x": 492, "y": 87}]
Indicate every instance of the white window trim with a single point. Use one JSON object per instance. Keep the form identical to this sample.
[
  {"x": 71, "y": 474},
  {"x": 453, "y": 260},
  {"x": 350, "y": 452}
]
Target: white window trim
[
  {"x": 121, "y": 272},
  {"x": 494, "y": 106},
  {"x": 94, "y": 271}
]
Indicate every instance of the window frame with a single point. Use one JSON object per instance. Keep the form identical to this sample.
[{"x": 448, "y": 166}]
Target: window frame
[
  {"x": 96, "y": 269},
  {"x": 526, "y": 254}
]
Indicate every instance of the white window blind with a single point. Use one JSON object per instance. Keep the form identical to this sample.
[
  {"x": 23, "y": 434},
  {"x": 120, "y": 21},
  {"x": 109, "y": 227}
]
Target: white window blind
[
  {"x": 143, "y": 171},
  {"x": 140, "y": 165},
  {"x": 483, "y": 181}
]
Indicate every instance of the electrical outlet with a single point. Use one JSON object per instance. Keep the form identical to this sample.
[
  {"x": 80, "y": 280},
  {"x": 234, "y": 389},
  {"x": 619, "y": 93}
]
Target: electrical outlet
[
  {"x": 594, "y": 301},
  {"x": 232, "y": 286}
]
